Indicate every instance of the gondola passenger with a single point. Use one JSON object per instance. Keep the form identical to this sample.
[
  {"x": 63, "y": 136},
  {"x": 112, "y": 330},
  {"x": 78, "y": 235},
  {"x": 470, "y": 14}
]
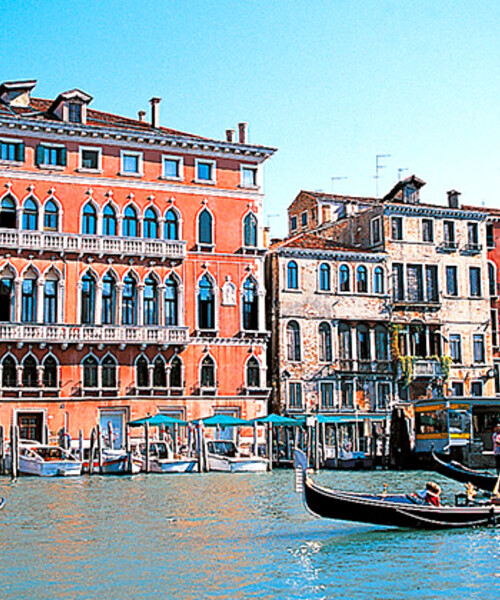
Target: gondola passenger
[{"x": 433, "y": 493}]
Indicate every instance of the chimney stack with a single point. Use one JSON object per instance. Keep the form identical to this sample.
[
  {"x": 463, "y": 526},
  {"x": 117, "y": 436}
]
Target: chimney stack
[
  {"x": 230, "y": 135},
  {"x": 453, "y": 198},
  {"x": 141, "y": 114},
  {"x": 155, "y": 112},
  {"x": 242, "y": 132}
]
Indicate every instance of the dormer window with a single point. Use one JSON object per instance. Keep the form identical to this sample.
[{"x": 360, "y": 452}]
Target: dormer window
[
  {"x": 71, "y": 107},
  {"x": 75, "y": 112},
  {"x": 410, "y": 194}
]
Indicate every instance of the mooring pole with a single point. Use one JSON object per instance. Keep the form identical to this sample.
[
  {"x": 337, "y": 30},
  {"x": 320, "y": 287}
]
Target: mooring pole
[
  {"x": 92, "y": 451},
  {"x": 146, "y": 435},
  {"x": 2, "y": 450},
  {"x": 99, "y": 448}
]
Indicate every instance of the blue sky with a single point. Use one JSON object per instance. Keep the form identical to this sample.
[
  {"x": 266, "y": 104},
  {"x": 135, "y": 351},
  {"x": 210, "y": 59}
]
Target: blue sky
[{"x": 331, "y": 84}]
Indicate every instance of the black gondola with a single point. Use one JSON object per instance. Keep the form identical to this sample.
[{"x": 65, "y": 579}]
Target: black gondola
[
  {"x": 454, "y": 470},
  {"x": 2, "y": 502},
  {"x": 397, "y": 510}
]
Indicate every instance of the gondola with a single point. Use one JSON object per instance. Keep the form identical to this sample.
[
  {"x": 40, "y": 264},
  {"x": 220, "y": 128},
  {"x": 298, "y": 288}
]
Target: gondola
[
  {"x": 396, "y": 510},
  {"x": 2, "y": 502},
  {"x": 454, "y": 470}
]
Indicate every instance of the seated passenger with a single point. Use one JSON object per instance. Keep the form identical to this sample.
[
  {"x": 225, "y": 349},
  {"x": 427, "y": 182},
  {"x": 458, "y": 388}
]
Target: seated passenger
[{"x": 432, "y": 493}]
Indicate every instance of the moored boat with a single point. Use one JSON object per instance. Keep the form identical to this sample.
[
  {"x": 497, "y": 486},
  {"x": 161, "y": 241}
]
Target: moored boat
[
  {"x": 2, "y": 503},
  {"x": 224, "y": 455},
  {"x": 397, "y": 510},
  {"x": 163, "y": 460},
  {"x": 47, "y": 461},
  {"x": 458, "y": 472}
]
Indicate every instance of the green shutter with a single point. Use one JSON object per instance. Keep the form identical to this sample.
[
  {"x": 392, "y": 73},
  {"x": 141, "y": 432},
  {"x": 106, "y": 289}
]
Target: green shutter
[
  {"x": 62, "y": 157},
  {"x": 20, "y": 152},
  {"x": 39, "y": 154}
]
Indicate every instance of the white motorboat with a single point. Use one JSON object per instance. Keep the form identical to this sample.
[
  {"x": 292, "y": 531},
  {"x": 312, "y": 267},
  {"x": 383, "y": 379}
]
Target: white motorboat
[
  {"x": 224, "y": 455},
  {"x": 162, "y": 459},
  {"x": 114, "y": 462},
  {"x": 47, "y": 461}
]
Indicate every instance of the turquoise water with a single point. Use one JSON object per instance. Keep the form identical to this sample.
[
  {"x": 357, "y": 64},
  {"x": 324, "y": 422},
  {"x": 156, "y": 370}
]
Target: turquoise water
[{"x": 227, "y": 537}]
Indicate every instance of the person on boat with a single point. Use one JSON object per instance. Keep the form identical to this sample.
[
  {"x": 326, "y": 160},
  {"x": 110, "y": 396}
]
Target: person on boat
[
  {"x": 433, "y": 493},
  {"x": 496, "y": 446}
]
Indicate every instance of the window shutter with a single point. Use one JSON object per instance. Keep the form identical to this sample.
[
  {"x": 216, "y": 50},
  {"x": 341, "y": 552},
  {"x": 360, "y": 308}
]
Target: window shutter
[
  {"x": 63, "y": 157},
  {"x": 20, "y": 152},
  {"x": 39, "y": 154}
]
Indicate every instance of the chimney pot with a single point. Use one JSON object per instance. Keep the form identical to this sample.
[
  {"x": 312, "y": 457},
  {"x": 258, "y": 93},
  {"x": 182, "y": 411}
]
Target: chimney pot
[
  {"x": 453, "y": 198},
  {"x": 155, "y": 112},
  {"x": 230, "y": 135},
  {"x": 142, "y": 115},
  {"x": 242, "y": 132}
]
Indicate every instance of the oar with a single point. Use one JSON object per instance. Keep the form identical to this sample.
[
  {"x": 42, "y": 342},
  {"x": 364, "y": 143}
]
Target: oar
[{"x": 497, "y": 487}]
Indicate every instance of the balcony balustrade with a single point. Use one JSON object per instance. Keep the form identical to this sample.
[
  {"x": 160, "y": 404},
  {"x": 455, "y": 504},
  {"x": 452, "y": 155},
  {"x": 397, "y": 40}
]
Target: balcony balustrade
[
  {"x": 88, "y": 334},
  {"x": 51, "y": 241},
  {"x": 428, "y": 367}
]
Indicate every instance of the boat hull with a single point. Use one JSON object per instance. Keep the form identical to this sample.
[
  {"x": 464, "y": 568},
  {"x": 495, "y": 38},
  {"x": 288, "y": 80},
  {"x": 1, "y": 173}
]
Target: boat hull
[
  {"x": 49, "y": 469},
  {"x": 114, "y": 466},
  {"x": 173, "y": 466},
  {"x": 458, "y": 472},
  {"x": 236, "y": 465}
]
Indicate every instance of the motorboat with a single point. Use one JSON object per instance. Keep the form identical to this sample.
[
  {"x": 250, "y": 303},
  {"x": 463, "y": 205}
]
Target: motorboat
[
  {"x": 163, "y": 460},
  {"x": 458, "y": 472},
  {"x": 397, "y": 510},
  {"x": 224, "y": 455},
  {"x": 47, "y": 461},
  {"x": 114, "y": 462}
]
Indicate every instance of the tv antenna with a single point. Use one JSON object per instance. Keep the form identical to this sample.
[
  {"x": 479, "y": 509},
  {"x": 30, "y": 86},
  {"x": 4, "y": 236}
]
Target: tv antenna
[
  {"x": 379, "y": 166},
  {"x": 334, "y": 179},
  {"x": 401, "y": 170}
]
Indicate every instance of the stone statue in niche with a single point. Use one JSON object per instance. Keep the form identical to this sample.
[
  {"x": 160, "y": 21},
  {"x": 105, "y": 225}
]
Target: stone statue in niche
[{"x": 229, "y": 293}]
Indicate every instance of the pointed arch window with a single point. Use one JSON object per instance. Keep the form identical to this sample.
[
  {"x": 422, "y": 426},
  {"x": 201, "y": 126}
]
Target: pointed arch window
[
  {"x": 159, "y": 373},
  {"x": 108, "y": 299},
  {"x": 324, "y": 277},
  {"x": 129, "y": 301},
  {"x": 171, "y": 302},
  {"x": 150, "y": 224},
  {"x": 345, "y": 345},
  {"x": 171, "y": 225},
  {"x": 205, "y": 228},
  {"x": 109, "y": 222},
  {"x": 142, "y": 372},
  {"x": 130, "y": 224},
  {"x": 150, "y": 301},
  {"x": 28, "y": 300},
  {"x": 6, "y": 299},
  {"x": 109, "y": 369},
  {"x": 9, "y": 372},
  {"x": 292, "y": 275},
  {"x": 363, "y": 343},
  {"x": 253, "y": 373},
  {"x": 362, "y": 279},
  {"x": 207, "y": 375},
  {"x": 250, "y": 230},
  {"x": 50, "y": 292},
  {"x": 206, "y": 304},
  {"x": 325, "y": 342},
  {"x": 293, "y": 341},
  {"x": 90, "y": 372},
  {"x": 492, "y": 280},
  {"x": 176, "y": 373},
  {"x": 51, "y": 216},
  {"x": 30, "y": 215},
  {"x": 8, "y": 213},
  {"x": 381, "y": 344},
  {"x": 378, "y": 280},
  {"x": 250, "y": 305},
  {"x": 344, "y": 279},
  {"x": 89, "y": 219},
  {"x": 30, "y": 375},
  {"x": 50, "y": 378},
  {"x": 88, "y": 300}
]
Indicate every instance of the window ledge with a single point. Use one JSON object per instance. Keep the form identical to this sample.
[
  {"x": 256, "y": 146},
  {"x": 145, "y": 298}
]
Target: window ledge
[
  {"x": 88, "y": 170},
  {"x": 11, "y": 163},
  {"x": 249, "y": 187},
  {"x": 167, "y": 178},
  {"x": 205, "y": 181},
  {"x": 125, "y": 174},
  {"x": 52, "y": 167}
]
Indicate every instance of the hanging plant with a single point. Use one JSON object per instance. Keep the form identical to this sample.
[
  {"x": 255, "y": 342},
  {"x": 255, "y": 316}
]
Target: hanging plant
[
  {"x": 445, "y": 366},
  {"x": 395, "y": 329},
  {"x": 407, "y": 363}
]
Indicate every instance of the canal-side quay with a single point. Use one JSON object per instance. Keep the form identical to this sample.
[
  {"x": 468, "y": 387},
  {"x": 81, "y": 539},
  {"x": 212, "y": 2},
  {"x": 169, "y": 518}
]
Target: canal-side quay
[{"x": 226, "y": 536}]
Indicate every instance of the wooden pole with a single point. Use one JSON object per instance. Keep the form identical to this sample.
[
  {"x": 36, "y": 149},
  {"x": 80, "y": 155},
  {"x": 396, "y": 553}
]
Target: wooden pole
[
  {"x": 91, "y": 451},
  {"x": 278, "y": 440},
  {"x": 146, "y": 436},
  {"x": 255, "y": 439},
  {"x": 316, "y": 444},
  {"x": 323, "y": 442},
  {"x": 99, "y": 448},
  {"x": 80, "y": 445},
  {"x": 337, "y": 448},
  {"x": 176, "y": 440},
  {"x": 204, "y": 450},
  {"x": 2, "y": 450},
  {"x": 128, "y": 449},
  {"x": 199, "y": 451},
  {"x": 270, "y": 446},
  {"x": 14, "y": 449}
]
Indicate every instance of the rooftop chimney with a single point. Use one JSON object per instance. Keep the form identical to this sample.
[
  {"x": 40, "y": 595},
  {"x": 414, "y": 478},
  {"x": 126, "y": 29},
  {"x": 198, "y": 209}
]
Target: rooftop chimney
[
  {"x": 453, "y": 198},
  {"x": 155, "y": 112},
  {"x": 230, "y": 135},
  {"x": 141, "y": 114},
  {"x": 242, "y": 132}
]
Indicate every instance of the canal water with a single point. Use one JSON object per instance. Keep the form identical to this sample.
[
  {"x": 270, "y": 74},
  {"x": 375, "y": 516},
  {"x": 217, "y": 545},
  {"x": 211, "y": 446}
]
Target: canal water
[{"x": 227, "y": 537}]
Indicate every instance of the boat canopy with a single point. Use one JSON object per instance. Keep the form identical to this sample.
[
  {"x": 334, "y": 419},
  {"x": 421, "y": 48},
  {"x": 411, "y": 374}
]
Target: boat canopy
[
  {"x": 278, "y": 420},
  {"x": 157, "y": 421},
  {"x": 223, "y": 421},
  {"x": 348, "y": 419}
]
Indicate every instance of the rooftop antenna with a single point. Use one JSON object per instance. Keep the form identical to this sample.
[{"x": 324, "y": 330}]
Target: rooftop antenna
[
  {"x": 400, "y": 170},
  {"x": 379, "y": 166},
  {"x": 336, "y": 179}
]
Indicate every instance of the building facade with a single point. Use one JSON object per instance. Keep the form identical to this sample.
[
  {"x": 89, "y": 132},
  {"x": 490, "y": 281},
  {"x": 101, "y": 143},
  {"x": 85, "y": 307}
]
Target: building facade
[{"x": 131, "y": 268}]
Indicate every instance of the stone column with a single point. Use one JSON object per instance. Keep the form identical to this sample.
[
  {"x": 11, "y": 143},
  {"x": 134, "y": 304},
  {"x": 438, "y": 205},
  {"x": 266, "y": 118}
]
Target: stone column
[
  {"x": 18, "y": 282},
  {"x": 373, "y": 345},
  {"x": 354, "y": 347},
  {"x": 161, "y": 305},
  {"x": 39, "y": 300},
  {"x": 98, "y": 303},
  {"x": 140, "y": 304},
  {"x": 119, "y": 303},
  {"x": 39, "y": 375},
  {"x": 262, "y": 309},
  {"x": 61, "y": 292}
]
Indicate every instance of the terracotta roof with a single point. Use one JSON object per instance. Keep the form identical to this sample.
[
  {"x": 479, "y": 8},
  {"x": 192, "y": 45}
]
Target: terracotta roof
[
  {"x": 322, "y": 196},
  {"x": 309, "y": 241},
  {"x": 491, "y": 211}
]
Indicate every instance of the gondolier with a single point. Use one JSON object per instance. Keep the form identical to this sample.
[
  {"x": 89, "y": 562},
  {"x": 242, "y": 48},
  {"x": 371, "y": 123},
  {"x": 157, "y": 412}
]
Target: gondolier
[{"x": 496, "y": 446}]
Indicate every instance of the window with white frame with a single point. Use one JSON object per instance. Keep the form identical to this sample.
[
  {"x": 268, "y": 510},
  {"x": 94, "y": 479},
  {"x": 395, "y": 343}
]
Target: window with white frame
[
  {"x": 248, "y": 176},
  {"x": 90, "y": 159},
  {"x": 11, "y": 150},
  {"x": 456, "y": 347},
  {"x": 172, "y": 167},
  {"x": 50, "y": 155},
  {"x": 327, "y": 396},
  {"x": 476, "y": 388},
  {"x": 376, "y": 230},
  {"x": 478, "y": 348},
  {"x": 205, "y": 171},
  {"x": 131, "y": 163},
  {"x": 294, "y": 395}
]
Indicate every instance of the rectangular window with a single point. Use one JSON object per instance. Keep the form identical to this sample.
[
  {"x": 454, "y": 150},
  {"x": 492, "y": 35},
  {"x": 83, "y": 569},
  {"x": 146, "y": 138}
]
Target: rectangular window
[
  {"x": 172, "y": 167},
  {"x": 327, "y": 402},
  {"x": 476, "y": 388},
  {"x": 11, "y": 151},
  {"x": 431, "y": 283},
  {"x": 75, "y": 113},
  {"x": 456, "y": 348},
  {"x": 347, "y": 391},
  {"x": 479, "y": 353},
  {"x": 54, "y": 156},
  {"x": 90, "y": 158},
  {"x": 490, "y": 236},
  {"x": 304, "y": 219},
  {"x": 494, "y": 327},
  {"x": 205, "y": 170},
  {"x": 28, "y": 301},
  {"x": 414, "y": 283},
  {"x": 449, "y": 241},
  {"x": 397, "y": 228},
  {"x": 427, "y": 230},
  {"x": 249, "y": 177},
  {"x": 383, "y": 396},
  {"x": 398, "y": 282},
  {"x": 457, "y": 388},
  {"x": 475, "y": 282},
  {"x": 472, "y": 234},
  {"x": 293, "y": 223},
  {"x": 294, "y": 395},
  {"x": 451, "y": 281},
  {"x": 132, "y": 163},
  {"x": 376, "y": 231}
]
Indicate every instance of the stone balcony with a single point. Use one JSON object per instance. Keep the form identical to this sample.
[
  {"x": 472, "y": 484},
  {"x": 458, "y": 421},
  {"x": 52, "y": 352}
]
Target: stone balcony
[
  {"x": 424, "y": 367},
  {"x": 93, "y": 334},
  {"x": 74, "y": 243}
]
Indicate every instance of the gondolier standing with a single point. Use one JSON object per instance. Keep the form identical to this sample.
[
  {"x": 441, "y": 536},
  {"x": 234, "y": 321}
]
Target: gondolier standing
[{"x": 496, "y": 446}]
